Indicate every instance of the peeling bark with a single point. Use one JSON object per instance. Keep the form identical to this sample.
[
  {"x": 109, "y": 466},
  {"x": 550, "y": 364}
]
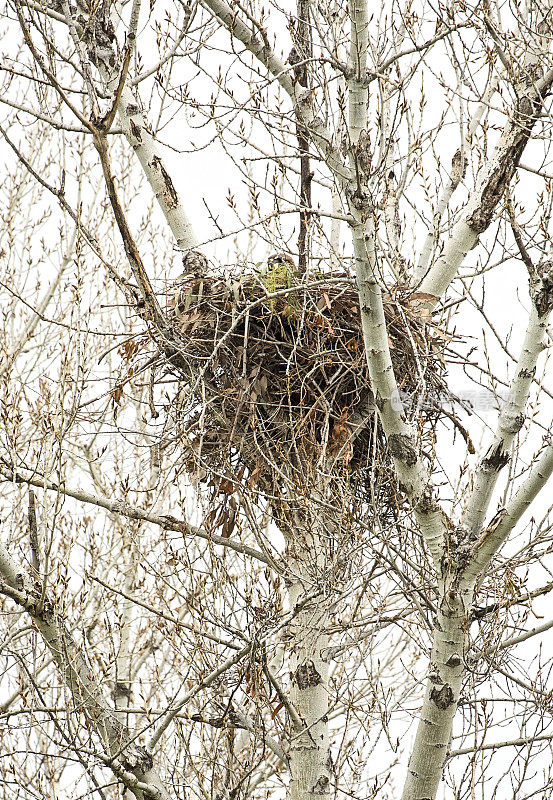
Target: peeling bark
[{"x": 506, "y": 163}]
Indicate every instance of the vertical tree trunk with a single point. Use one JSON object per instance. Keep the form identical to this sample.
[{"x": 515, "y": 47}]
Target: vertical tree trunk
[
  {"x": 310, "y": 763},
  {"x": 445, "y": 675},
  {"x": 309, "y": 553}
]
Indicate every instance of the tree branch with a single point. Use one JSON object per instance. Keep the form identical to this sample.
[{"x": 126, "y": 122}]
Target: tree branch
[
  {"x": 132, "y": 763},
  {"x": 510, "y": 422},
  {"x": 168, "y": 522},
  {"x": 485, "y": 198}
]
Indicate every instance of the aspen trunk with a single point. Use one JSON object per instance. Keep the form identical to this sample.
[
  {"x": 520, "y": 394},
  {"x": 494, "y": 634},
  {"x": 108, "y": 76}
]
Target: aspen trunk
[
  {"x": 445, "y": 675},
  {"x": 310, "y": 763},
  {"x": 310, "y": 552}
]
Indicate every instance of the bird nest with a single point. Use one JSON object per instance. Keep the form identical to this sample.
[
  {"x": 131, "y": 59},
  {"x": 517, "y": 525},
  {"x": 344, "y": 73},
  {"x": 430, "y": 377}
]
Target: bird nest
[{"x": 274, "y": 388}]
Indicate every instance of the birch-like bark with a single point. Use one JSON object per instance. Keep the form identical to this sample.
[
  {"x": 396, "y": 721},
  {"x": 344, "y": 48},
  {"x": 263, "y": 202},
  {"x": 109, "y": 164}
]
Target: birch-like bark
[
  {"x": 445, "y": 675},
  {"x": 532, "y": 89},
  {"x": 131, "y": 763},
  {"x": 137, "y": 131},
  {"x": 493, "y": 536},
  {"x": 131, "y": 115},
  {"x": 254, "y": 40},
  {"x": 400, "y": 436},
  {"x": 458, "y": 166},
  {"x": 304, "y": 108},
  {"x": 310, "y": 761},
  {"x": 458, "y": 568},
  {"x": 402, "y": 443},
  {"x": 122, "y": 691},
  {"x": 511, "y": 420},
  {"x": 135, "y": 127},
  {"x": 208, "y": 680},
  {"x": 446, "y": 668},
  {"x": 467, "y": 556}
]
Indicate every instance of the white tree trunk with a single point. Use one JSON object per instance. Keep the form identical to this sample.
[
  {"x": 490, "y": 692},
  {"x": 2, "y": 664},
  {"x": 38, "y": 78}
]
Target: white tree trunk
[
  {"x": 135, "y": 128},
  {"x": 310, "y": 764},
  {"x": 309, "y": 549},
  {"x": 445, "y": 675},
  {"x": 485, "y": 198}
]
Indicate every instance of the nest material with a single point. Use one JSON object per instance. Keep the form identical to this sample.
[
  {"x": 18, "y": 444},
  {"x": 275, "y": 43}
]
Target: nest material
[{"x": 276, "y": 389}]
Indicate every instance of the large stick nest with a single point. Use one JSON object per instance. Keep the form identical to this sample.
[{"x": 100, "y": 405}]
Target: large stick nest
[{"x": 274, "y": 386}]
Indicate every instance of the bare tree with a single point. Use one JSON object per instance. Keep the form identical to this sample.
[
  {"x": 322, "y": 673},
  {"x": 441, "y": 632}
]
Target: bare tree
[{"x": 264, "y": 520}]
